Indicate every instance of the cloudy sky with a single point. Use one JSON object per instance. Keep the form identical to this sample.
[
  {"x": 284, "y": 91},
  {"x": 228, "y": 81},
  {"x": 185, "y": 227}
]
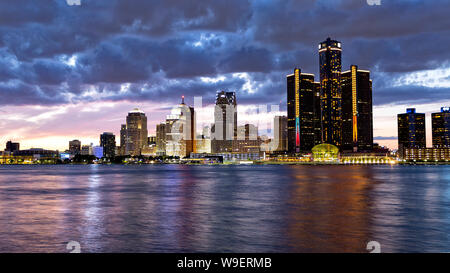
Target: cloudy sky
[{"x": 71, "y": 72}]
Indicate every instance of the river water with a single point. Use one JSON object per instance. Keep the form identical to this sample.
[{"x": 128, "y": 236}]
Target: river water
[{"x": 263, "y": 208}]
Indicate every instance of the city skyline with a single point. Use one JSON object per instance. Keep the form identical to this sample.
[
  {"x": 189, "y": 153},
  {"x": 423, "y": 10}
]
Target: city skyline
[{"x": 57, "y": 91}]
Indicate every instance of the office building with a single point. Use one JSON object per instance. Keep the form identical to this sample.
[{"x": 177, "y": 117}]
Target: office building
[
  {"x": 161, "y": 139},
  {"x": 87, "y": 150},
  {"x": 280, "y": 133},
  {"x": 224, "y": 130},
  {"x": 441, "y": 128},
  {"x": 411, "y": 129},
  {"x": 331, "y": 92},
  {"x": 136, "y": 132},
  {"x": 180, "y": 131},
  {"x": 123, "y": 139},
  {"x": 357, "y": 120},
  {"x": 317, "y": 114},
  {"x": 74, "y": 147},
  {"x": 301, "y": 111},
  {"x": 108, "y": 142},
  {"x": 247, "y": 140}
]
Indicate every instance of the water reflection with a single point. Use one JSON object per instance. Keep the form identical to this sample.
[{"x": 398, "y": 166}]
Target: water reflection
[{"x": 176, "y": 208}]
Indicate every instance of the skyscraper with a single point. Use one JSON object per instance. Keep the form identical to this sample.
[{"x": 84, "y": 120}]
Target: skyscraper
[
  {"x": 161, "y": 139},
  {"x": 357, "y": 121},
  {"x": 331, "y": 93},
  {"x": 75, "y": 146},
  {"x": 180, "y": 129},
  {"x": 137, "y": 132},
  {"x": 441, "y": 128},
  {"x": 317, "y": 114},
  {"x": 280, "y": 133},
  {"x": 224, "y": 130},
  {"x": 123, "y": 139},
  {"x": 300, "y": 108},
  {"x": 411, "y": 129},
  {"x": 108, "y": 142}
]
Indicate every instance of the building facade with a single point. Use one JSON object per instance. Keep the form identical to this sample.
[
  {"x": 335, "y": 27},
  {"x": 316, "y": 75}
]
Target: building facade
[
  {"x": 180, "y": 129},
  {"x": 441, "y": 128},
  {"x": 75, "y": 147},
  {"x": 301, "y": 112},
  {"x": 108, "y": 142},
  {"x": 224, "y": 130},
  {"x": 136, "y": 132},
  {"x": 280, "y": 133},
  {"x": 331, "y": 92},
  {"x": 411, "y": 129},
  {"x": 357, "y": 118}
]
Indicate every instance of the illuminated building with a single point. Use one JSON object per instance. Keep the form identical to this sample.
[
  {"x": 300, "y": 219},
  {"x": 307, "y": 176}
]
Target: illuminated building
[
  {"x": 108, "y": 142},
  {"x": 325, "y": 153},
  {"x": 247, "y": 139},
  {"x": 229, "y": 156},
  {"x": 300, "y": 109},
  {"x": 161, "y": 139},
  {"x": 331, "y": 93},
  {"x": 180, "y": 131},
  {"x": 411, "y": 129},
  {"x": 441, "y": 128},
  {"x": 357, "y": 121},
  {"x": 280, "y": 133},
  {"x": 425, "y": 154},
  {"x": 123, "y": 139},
  {"x": 317, "y": 114},
  {"x": 12, "y": 146},
  {"x": 74, "y": 147},
  {"x": 136, "y": 128},
  {"x": 37, "y": 153},
  {"x": 151, "y": 140},
  {"x": 86, "y": 150},
  {"x": 98, "y": 151},
  {"x": 224, "y": 130}
]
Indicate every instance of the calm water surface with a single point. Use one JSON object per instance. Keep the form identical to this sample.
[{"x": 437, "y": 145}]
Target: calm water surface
[{"x": 177, "y": 208}]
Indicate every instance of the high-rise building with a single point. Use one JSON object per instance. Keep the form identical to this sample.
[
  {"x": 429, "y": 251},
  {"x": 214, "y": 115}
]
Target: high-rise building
[
  {"x": 411, "y": 129},
  {"x": 108, "y": 142},
  {"x": 137, "y": 134},
  {"x": 12, "y": 146},
  {"x": 317, "y": 114},
  {"x": 280, "y": 133},
  {"x": 224, "y": 130},
  {"x": 123, "y": 139},
  {"x": 180, "y": 130},
  {"x": 331, "y": 92},
  {"x": 441, "y": 128},
  {"x": 301, "y": 111},
  {"x": 357, "y": 120},
  {"x": 161, "y": 139},
  {"x": 74, "y": 147}
]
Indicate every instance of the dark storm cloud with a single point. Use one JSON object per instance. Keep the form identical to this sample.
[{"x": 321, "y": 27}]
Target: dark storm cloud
[
  {"x": 52, "y": 53},
  {"x": 410, "y": 94}
]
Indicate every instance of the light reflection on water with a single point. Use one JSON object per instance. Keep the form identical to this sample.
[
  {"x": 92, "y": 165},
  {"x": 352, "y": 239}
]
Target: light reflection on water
[{"x": 177, "y": 208}]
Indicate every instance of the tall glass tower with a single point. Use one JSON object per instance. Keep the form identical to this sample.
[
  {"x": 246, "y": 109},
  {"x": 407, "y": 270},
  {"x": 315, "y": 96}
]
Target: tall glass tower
[
  {"x": 411, "y": 129},
  {"x": 330, "y": 91},
  {"x": 224, "y": 130},
  {"x": 137, "y": 134}
]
